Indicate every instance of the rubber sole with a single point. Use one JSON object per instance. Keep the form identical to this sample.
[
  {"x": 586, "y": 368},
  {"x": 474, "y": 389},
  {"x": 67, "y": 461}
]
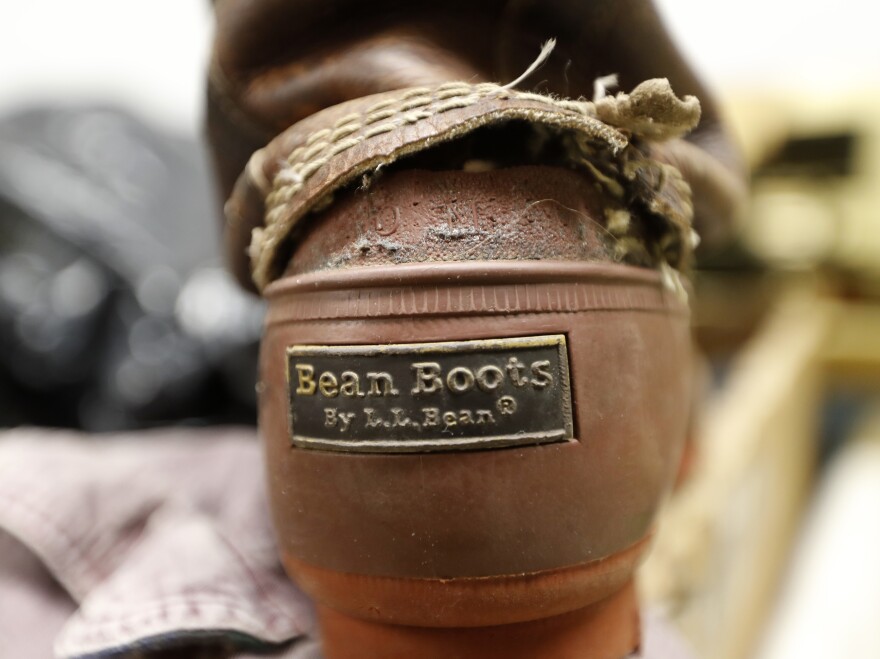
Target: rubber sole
[
  {"x": 469, "y": 602},
  {"x": 608, "y": 629}
]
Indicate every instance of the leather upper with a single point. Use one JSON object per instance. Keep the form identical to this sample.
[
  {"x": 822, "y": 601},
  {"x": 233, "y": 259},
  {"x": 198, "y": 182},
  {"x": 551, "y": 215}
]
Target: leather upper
[{"x": 278, "y": 62}]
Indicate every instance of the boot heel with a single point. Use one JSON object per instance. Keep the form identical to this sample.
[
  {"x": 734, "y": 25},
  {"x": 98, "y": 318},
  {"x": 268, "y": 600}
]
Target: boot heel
[
  {"x": 608, "y": 629},
  {"x": 471, "y": 407}
]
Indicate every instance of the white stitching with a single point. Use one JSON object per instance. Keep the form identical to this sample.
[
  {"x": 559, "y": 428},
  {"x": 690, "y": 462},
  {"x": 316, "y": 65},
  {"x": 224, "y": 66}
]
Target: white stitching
[
  {"x": 378, "y": 116},
  {"x": 415, "y": 103},
  {"x": 456, "y": 103},
  {"x": 342, "y": 131},
  {"x": 451, "y": 92},
  {"x": 378, "y": 130},
  {"x": 347, "y": 144},
  {"x": 327, "y": 143},
  {"x": 413, "y": 117},
  {"x": 454, "y": 84},
  {"x": 347, "y": 119},
  {"x": 314, "y": 150},
  {"x": 381, "y": 105},
  {"x": 314, "y": 137},
  {"x": 415, "y": 91}
]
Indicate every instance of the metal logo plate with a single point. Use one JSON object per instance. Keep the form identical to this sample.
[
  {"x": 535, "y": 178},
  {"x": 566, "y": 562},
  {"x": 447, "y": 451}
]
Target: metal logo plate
[{"x": 455, "y": 395}]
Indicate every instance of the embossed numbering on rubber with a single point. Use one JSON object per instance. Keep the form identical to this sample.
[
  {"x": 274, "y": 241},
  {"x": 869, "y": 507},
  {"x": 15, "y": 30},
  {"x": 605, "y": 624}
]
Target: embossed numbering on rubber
[{"x": 452, "y": 395}]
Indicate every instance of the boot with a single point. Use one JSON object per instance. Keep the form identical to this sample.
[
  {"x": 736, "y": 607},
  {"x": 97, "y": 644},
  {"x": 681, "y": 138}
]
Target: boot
[{"x": 475, "y": 376}]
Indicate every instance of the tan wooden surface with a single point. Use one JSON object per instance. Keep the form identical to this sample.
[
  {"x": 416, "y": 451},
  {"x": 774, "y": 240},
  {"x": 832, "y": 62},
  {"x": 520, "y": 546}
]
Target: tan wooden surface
[{"x": 725, "y": 535}]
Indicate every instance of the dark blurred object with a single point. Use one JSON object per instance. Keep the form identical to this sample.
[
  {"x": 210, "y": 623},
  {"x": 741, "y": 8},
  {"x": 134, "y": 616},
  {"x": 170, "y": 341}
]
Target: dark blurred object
[
  {"x": 114, "y": 312},
  {"x": 812, "y": 157}
]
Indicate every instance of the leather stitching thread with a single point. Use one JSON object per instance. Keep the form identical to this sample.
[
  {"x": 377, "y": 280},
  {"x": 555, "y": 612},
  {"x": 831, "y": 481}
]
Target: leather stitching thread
[{"x": 419, "y": 104}]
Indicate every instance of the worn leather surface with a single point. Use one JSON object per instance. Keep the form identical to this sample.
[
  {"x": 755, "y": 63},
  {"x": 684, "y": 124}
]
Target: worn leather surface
[
  {"x": 414, "y": 216},
  {"x": 449, "y": 114},
  {"x": 282, "y": 60},
  {"x": 277, "y": 62},
  {"x": 609, "y": 141}
]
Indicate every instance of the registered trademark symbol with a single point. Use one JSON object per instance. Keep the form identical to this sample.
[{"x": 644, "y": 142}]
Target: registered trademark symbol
[{"x": 507, "y": 405}]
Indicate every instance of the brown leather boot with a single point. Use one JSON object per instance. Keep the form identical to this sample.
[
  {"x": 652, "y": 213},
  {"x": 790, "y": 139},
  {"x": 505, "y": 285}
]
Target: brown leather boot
[{"x": 475, "y": 376}]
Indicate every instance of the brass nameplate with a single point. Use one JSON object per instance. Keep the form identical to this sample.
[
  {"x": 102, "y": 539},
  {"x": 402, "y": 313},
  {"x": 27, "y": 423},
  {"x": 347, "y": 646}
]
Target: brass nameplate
[{"x": 414, "y": 397}]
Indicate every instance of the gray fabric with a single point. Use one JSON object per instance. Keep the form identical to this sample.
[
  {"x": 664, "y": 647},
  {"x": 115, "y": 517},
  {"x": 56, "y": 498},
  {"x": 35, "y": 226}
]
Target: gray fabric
[{"x": 156, "y": 538}]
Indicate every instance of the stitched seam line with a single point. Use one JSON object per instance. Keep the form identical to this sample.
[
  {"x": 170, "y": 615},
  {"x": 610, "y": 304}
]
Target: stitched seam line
[
  {"x": 456, "y": 96},
  {"x": 385, "y": 116}
]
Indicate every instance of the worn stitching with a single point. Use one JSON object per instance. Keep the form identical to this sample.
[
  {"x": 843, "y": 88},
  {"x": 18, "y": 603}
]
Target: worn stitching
[
  {"x": 314, "y": 137},
  {"x": 454, "y": 95},
  {"x": 324, "y": 144},
  {"x": 349, "y": 118},
  {"x": 378, "y": 116}
]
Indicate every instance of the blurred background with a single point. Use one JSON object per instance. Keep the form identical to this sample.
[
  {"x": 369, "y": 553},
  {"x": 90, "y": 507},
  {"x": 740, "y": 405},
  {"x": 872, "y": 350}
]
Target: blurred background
[{"x": 116, "y": 312}]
